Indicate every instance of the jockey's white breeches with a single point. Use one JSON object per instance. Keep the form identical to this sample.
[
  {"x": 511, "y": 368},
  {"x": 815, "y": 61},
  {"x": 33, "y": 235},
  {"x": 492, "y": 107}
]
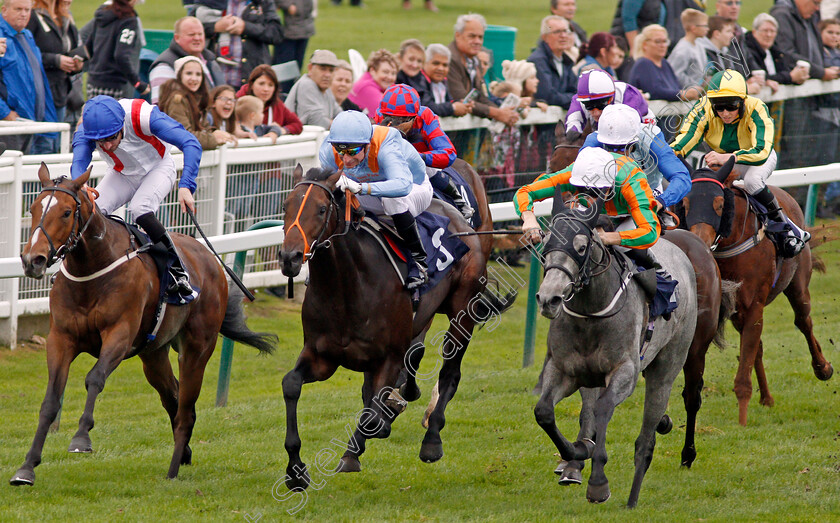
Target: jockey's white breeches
[
  {"x": 755, "y": 176},
  {"x": 143, "y": 194},
  {"x": 415, "y": 202}
]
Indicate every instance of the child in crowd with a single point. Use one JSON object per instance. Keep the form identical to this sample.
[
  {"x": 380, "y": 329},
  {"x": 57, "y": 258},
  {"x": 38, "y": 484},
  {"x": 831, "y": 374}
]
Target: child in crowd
[
  {"x": 210, "y": 12},
  {"x": 249, "y": 117},
  {"x": 688, "y": 59}
]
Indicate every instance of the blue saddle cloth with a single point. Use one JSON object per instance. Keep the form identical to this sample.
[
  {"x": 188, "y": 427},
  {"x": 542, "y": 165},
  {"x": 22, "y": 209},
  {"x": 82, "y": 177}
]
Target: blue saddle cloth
[
  {"x": 466, "y": 191},
  {"x": 442, "y": 250},
  {"x": 665, "y": 299}
]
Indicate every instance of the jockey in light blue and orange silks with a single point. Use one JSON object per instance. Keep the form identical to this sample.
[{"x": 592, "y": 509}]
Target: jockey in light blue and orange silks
[{"x": 385, "y": 171}]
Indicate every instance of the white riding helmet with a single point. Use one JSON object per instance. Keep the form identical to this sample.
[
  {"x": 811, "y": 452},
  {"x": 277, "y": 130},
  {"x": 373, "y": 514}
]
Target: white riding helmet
[
  {"x": 594, "y": 167},
  {"x": 619, "y": 125}
]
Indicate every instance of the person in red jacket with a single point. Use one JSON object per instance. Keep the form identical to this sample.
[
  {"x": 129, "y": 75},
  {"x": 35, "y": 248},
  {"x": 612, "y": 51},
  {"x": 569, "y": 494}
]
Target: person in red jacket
[
  {"x": 400, "y": 108},
  {"x": 263, "y": 84}
]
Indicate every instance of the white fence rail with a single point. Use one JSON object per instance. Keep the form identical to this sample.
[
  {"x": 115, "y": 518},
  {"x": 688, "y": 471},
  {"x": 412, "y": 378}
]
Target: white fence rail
[{"x": 23, "y": 126}]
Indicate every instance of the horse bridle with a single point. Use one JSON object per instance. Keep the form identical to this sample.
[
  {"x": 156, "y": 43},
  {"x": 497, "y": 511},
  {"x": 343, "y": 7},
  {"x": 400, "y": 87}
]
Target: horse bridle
[
  {"x": 309, "y": 249},
  {"x": 78, "y": 228},
  {"x": 584, "y": 274}
]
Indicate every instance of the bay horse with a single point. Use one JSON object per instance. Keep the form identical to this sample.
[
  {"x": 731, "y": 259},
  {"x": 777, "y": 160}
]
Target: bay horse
[
  {"x": 596, "y": 340},
  {"x": 103, "y": 303},
  {"x": 721, "y": 216},
  {"x": 357, "y": 315}
]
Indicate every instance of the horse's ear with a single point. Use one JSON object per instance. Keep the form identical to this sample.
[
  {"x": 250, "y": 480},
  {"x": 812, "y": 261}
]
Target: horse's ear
[
  {"x": 333, "y": 179},
  {"x": 593, "y": 212},
  {"x": 297, "y": 175},
  {"x": 81, "y": 180},
  {"x": 44, "y": 175},
  {"x": 725, "y": 169}
]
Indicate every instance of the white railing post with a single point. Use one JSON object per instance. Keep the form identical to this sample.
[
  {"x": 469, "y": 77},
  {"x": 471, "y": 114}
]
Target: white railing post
[{"x": 220, "y": 189}]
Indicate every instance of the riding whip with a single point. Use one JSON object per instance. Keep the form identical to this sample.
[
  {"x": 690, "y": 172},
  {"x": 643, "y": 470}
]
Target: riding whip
[{"x": 228, "y": 270}]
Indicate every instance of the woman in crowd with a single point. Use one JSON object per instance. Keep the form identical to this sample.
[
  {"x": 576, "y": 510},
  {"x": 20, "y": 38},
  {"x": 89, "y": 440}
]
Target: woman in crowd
[
  {"x": 763, "y": 55},
  {"x": 263, "y": 84},
  {"x": 342, "y": 82},
  {"x": 185, "y": 99},
  {"x": 62, "y": 52},
  {"x": 114, "y": 43},
  {"x": 381, "y": 74},
  {"x": 651, "y": 71},
  {"x": 220, "y": 112},
  {"x": 411, "y": 57},
  {"x": 598, "y": 52}
]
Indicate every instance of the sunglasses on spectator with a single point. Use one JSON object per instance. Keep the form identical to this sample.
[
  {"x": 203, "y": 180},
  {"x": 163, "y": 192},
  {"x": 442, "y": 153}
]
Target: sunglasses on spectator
[
  {"x": 350, "y": 149},
  {"x": 726, "y": 106},
  {"x": 599, "y": 104}
]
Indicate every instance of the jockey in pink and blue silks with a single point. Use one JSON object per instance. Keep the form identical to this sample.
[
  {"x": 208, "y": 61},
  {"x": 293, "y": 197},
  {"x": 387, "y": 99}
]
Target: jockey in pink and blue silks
[
  {"x": 133, "y": 138},
  {"x": 378, "y": 163}
]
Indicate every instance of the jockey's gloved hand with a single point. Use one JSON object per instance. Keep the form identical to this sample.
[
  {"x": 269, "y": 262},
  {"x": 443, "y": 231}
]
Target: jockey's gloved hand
[
  {"x": 345, "y": 183},
  {"x": 572, "y": 135}
]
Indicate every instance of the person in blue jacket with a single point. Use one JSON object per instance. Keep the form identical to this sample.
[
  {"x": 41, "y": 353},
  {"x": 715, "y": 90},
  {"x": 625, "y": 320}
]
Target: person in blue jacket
[
  {"x": 386, "y": 172},
  {"x": 133, "y": 137},
  {"x": 621, "y": 125}
]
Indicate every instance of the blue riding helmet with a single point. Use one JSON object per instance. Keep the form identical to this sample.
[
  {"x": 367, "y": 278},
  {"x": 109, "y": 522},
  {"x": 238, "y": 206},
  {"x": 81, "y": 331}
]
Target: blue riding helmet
[
  {"x": 350, "y": 127},
  {"x": 102, "y": 117}
]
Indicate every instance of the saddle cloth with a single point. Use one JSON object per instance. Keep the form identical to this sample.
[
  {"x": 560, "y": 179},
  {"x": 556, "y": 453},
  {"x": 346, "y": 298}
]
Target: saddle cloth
[
  {"x": 466, "y": 191},
  {"x": 664, "y": 299},
  {"x": 442, "y": 250}
]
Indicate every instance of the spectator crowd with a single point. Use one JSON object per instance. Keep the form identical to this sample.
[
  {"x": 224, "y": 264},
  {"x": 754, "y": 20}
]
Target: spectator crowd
[{"x": 219, "y": 76}]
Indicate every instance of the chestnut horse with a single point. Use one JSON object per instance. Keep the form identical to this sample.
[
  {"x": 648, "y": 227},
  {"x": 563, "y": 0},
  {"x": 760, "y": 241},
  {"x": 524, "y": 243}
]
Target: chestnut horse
[
  {"x": 356, "y": 314},
  {"x": 721, "y": 216},
  {"x": 103, "y": 303}
]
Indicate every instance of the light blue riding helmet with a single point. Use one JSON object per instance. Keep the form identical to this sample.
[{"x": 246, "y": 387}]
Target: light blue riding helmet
[
  {"x": 350, "y": 127},
  {"x": 102, "y": 117}
]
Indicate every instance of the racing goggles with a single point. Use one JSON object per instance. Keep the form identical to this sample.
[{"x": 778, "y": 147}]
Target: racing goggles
[
  {"x": 726, "y": 105},
  {"x": 598, "y": 103},
  {"x": 110, "y": 138},
  {"x": 350, "y": 149}
]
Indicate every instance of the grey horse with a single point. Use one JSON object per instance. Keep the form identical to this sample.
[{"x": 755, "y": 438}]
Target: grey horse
[{"x": 599, "y": 315}]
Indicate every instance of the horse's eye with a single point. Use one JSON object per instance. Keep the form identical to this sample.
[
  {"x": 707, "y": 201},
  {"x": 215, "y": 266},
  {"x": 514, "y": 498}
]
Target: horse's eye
[
  {"x": 322, "y": 209},
  {"x": 579, "y": 242},
  {"x": 67, "y": 213}
]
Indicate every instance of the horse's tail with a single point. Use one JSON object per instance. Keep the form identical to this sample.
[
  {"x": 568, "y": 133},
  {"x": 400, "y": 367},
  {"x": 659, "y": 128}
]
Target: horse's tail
[
  {"x": 235, "y": 328},
  {"x": 728, "y": 291},
  {"x": 821, "y": 234},
  {"x": 493, "y": 302},
  {"x": 817, "y": 263}
]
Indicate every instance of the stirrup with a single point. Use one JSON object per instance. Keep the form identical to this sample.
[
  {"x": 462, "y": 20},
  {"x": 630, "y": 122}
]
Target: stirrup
[
  {"x": 180, "y": 283},
  {"x": 419, "y": 280},
  {"x": 466, "y": 209}
]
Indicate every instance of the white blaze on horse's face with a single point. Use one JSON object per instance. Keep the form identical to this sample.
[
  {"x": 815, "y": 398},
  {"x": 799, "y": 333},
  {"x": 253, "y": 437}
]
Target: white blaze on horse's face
[{"x": 46, "y": 203}]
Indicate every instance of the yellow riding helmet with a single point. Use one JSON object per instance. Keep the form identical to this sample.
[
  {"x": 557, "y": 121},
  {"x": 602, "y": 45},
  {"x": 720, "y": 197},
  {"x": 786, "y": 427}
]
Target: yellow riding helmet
[{"x": 727, "y": 84}]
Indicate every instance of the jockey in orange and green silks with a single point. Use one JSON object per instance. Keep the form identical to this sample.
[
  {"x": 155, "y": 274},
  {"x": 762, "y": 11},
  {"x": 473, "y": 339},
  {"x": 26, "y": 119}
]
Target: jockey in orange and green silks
[{"x": 631, "y": 195}]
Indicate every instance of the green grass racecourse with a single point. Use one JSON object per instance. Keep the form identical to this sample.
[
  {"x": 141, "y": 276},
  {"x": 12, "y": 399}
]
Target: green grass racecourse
[
  {"x": 785, "y": 466},
  {"x": 385, "y": 24}
]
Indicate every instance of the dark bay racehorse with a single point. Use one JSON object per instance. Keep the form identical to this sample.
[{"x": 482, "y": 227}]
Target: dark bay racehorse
[
  {"x": 111, "y": 311},
  {"x": 720, "y": 215},
  {"x": 357, "y": 315},
  {"x": 595, "y": 341}
]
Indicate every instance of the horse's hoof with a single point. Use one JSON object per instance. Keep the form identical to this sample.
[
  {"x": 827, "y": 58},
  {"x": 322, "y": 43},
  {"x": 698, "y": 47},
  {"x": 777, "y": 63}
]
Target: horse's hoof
[
  {"x": 80, "y": 445},
  {"x": 349, "y": 464},
  {"x": 825, "y": 372},
  {"x": 767, "y": 401},
  {"x": 561, "y": 467},
  {"x": 584, "y": 449},
  {"x": 598, "y": 493},
  {"x": 688, "y": 456},
  {"x": 431, "y": 452},
  {"x": 23, "y": 477},
  {"x": 186, "y": 459},
  {"x": 665, "y": 425},
  {"x": 396, "y": 403},
  {"x": 410, "y": 393},
  {"x": 297, "y": 479},
  {"x": 571, "y": 476}
]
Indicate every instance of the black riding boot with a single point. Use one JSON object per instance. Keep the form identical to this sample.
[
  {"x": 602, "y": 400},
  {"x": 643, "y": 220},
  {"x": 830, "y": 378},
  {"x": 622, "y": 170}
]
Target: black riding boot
[
  {"x": 791, "y": 240},
  {"x": 452, "y": 191},
  {"x": 407, "y": 229},
  {"x": 646, "y": 260},
  {"x": 156, "y": 232}
]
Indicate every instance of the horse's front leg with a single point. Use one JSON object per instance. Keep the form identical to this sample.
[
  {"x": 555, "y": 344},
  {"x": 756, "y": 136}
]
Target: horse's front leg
[
  {"x": 749, "y": 323},
  {"x": 309, "y": 368},
  {"x": 621, "y": 386},
  {"x": 61, "y": 351},
  {"x": 116, "y": 343},
  {"x": 764, "y": 396},
  {"x": 555, "y": 388},
  {"x": 571, "y": 472}
]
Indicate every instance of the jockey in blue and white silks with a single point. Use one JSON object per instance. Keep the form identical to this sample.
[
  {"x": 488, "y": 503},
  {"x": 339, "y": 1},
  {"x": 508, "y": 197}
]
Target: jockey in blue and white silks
[{"x": 133, "y": 138}]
